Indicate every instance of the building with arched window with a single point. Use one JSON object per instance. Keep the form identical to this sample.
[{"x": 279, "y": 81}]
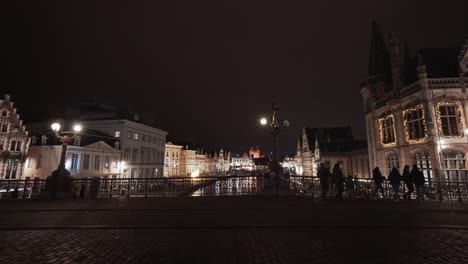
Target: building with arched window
[{"x": 415, "y": 108}]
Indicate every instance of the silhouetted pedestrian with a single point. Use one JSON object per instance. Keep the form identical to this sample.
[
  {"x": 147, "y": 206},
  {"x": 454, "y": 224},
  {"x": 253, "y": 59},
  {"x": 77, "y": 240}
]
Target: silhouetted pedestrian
[
  {"x": 395, "y": 178},
  {"x": 419, "y": 181},
  {"x": 408, "y": 180},
  {"x": 324, "y": 176},
  {"x": 378, "y": 180},
  {"x": 338, "y": 180}
]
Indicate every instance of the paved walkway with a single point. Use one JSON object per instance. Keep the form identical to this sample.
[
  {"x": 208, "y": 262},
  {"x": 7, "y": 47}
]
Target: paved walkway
[{"x": 254, "y": 229}]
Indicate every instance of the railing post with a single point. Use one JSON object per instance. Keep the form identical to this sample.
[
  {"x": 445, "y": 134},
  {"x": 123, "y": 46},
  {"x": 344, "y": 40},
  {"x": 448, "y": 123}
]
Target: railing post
[
  {"x": 459, "y": 193},
  {"x": 111, "y": 187},
  {"x": 146, "y": 188},
  {"x": 128, "y": 188},
  {"x": 164, "y": 187},
  {"x": 25, "y": 188},
  {"x": 439, "y": 190},
  {"x": 7, "y": 189}
]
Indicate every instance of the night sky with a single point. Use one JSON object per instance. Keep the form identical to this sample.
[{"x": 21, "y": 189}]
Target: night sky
[{"x": 210, "y": 70}]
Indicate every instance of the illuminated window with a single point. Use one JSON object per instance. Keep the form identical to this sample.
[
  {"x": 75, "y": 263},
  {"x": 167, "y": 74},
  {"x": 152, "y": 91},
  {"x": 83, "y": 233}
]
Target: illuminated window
[
  {"x": 387, "y": 129},
  {"x": 4, "y": 127},
  {"x": 117, "y": 133},
  {"x": 30, "y": 162},
  {"x": 414, "y": 123},
  {"x": 97, "y": 162},
  {"x": 86, "y": 161},
  {"x": 74, "y": 163},
  {"x": 136, "y": 136},
  {"x": 39, "y": 162},
  {"x": 16, "y": 145},
  {"x": 423, "y": 161},
  {"x": 454, "y": 164},
  {"x": 449, "y": 120}
]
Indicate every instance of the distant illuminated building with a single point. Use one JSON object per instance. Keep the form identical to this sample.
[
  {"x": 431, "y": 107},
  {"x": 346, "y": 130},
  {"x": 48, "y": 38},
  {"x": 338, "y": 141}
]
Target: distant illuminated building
[{"x": 255, "y": 153}]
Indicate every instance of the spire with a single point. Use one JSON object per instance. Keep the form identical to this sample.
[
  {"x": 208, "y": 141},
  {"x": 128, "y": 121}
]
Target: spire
[{"x": 379, "y": 59}]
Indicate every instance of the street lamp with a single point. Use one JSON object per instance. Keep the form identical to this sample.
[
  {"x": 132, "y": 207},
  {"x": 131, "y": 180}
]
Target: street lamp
[
  {"x": 60, "y": 180},
  {"x": 275, "y": 128}
]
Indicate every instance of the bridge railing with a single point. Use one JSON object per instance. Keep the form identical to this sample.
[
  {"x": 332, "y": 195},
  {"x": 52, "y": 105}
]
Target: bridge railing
[
  {"x": 139, "y": 187},
  {"x": 362, "y": 187}
]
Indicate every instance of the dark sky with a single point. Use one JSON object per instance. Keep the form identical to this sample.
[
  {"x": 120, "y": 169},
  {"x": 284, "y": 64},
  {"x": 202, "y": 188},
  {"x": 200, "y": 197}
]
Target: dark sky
[{"x": 209, "y": 70}]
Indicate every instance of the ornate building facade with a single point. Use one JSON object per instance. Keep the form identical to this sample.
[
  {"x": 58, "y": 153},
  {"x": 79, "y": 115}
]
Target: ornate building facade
[
  {"x": 14, "y": 141},
  {"x": 415, "y": 108},
  {"x": 328, "y": 146}
]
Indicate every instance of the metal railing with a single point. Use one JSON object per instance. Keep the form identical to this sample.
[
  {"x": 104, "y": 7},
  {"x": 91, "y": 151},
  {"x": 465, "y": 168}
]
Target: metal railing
[
  {"x": 224, "y": 186},
  {"x": 365, "y": 188}
]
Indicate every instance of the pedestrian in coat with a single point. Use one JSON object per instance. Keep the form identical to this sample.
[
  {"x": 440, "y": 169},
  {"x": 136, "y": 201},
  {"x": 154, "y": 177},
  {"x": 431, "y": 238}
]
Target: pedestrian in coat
[
  {"x": 378, "y": 180},
  {"x": 324, "y": 176},
  {"x": 408, "y": 180},
  {"x": 395, "y": 178},
  {"x": 419, "y": 181},
  {"x": 338, "y": 180}
]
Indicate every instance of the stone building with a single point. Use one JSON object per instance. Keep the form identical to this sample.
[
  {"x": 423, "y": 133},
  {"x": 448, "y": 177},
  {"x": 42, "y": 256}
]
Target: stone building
[
  {"x": 92, "y": 154},
  {"x": 142, "y": 145},
  {"x": 415, "y": 107},
  {"x": 14, "y": 141},
  {"x": 329, "y": 146}
]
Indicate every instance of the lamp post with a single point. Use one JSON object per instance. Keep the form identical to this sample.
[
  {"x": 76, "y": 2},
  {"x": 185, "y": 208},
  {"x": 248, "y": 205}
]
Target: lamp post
[
  {"x": 60, "y": 183},
  {"x": 275, "y": 128}
]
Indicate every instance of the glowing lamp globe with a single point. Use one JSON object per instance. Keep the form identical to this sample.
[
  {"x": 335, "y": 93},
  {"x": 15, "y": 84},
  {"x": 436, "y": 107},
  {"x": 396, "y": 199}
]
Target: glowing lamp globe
[
  {"x": 77, "y": 128},
  {"x": 263, "y": 121},
  {"x": 55, "y": 127}
]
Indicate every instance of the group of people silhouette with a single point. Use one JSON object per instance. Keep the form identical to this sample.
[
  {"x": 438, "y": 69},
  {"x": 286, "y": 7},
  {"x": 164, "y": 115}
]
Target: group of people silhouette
[{"x": 413, "y": 179}]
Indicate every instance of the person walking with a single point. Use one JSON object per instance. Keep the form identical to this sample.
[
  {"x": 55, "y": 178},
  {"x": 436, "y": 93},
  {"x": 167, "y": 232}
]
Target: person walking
[
  {"x": 395, "y": 178},
  {"x": 419, "y": 181},
  {"x": 408, "y": 180},
  {"x": 324, "y": 176},
  {"x": 378, "y": 180},
  {"x": 338, "y": 180}
]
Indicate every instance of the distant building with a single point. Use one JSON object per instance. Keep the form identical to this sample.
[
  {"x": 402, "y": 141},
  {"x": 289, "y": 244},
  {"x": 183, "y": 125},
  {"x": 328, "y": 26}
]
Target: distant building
[
  {"x": 187, "y": 161},
  {"x": 415, "y": 108},
  {"x": 92, "y": 154},
  {"x": 172, "y": 160},
  {"x": 330, "y": 146},
  {"x": 14, "y": 141},
  {"x": 255, "y": 153},
  {"x": 242, "y": 163},
  {"x": 142, "y": 145}
]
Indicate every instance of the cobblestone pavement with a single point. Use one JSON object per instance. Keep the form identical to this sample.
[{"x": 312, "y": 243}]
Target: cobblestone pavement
[
  {"x": 232, "y": 230},
  {"x": 235, "y": 246}
]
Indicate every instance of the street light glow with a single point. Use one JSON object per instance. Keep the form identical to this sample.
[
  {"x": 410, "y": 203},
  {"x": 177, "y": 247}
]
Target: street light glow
[
  {"x": 55, "y": 127},
  {"x": 77, "y": 128},
  {"x": 263, "y": 121}
]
